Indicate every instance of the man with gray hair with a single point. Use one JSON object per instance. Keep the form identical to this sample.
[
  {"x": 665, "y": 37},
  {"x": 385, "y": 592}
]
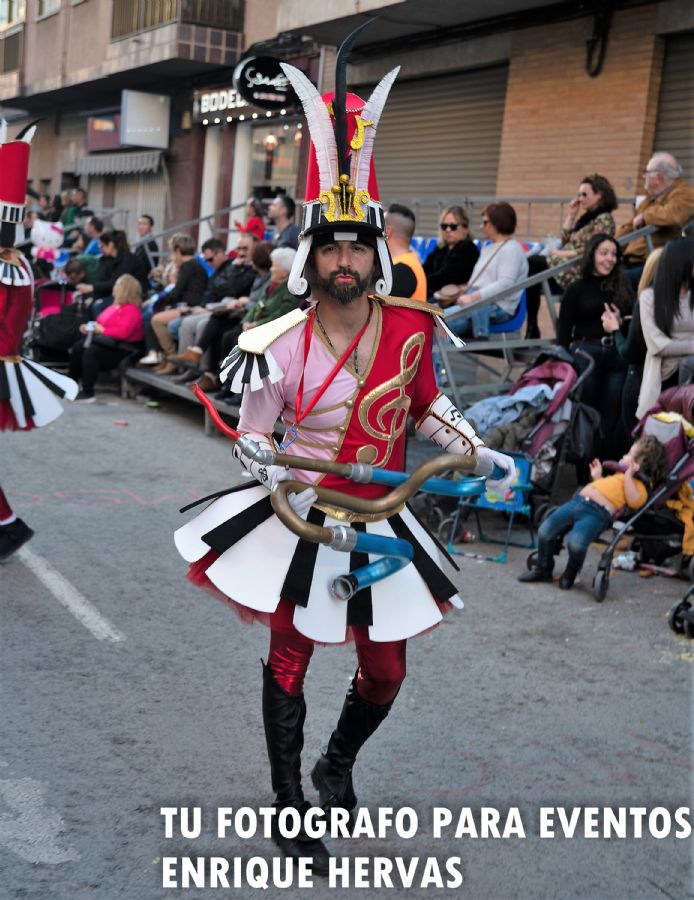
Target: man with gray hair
[{"x": 668, "y": 204}]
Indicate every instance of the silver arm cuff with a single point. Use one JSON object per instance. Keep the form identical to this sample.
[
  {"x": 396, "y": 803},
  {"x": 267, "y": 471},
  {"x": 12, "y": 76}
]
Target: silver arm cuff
[{"x": 447, "y": 426}]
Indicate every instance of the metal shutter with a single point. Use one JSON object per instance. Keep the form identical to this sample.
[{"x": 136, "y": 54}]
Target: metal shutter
[
  {"x": 674, "y": 132},
  {"x": 439, "y": 140}
]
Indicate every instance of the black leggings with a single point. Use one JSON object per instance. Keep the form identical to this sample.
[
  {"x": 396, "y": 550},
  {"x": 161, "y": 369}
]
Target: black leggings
[
  {"x": 213, "y": 333},
  {"x": 87, "y": 362}
]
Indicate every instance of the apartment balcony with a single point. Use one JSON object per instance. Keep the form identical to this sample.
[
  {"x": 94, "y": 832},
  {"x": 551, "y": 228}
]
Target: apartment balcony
[{"x": 152, "y": 45}]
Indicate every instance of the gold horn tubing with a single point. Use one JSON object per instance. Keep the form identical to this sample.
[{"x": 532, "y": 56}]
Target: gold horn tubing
[
  {"x": 382, "y": 506},
  {"x": 328, "y": 466}
]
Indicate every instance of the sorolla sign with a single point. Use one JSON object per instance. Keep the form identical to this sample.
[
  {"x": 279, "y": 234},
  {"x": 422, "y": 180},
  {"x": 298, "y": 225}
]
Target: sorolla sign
[{"x": 261, "y": 81}]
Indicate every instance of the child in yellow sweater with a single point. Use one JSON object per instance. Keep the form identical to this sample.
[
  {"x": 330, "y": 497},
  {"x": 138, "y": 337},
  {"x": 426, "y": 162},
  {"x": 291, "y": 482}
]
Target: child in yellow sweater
[{"x": 592, "y": 509}]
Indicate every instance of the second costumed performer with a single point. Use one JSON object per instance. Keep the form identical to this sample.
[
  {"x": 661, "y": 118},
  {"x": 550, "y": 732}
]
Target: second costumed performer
[
  {"x": 30, "y": 394},
  {"x": 343, "y": 377}
]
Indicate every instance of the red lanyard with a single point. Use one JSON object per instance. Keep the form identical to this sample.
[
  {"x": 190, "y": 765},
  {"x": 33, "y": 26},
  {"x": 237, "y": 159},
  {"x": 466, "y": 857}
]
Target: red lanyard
[{"x": 302, "y": 413}]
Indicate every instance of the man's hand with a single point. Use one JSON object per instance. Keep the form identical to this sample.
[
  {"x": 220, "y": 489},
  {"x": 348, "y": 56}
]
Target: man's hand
[
  {"x": 84, "y": 288},
  {"x": 503, "y": 462},
  {"x": 639, "y": 221},
  {"x": 300, "y": 501}
]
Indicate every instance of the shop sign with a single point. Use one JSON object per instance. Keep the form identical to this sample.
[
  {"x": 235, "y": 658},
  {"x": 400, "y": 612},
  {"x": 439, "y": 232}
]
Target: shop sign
[
  {"x": 261, "y": 81},
  {"x": 217, "y": 102}
]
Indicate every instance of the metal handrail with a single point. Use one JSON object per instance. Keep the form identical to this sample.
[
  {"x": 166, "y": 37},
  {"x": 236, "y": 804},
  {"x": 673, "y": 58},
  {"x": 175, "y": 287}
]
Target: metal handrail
[
  {"x": 541, "y": 277},
  {"x": 190, "y": 223}
]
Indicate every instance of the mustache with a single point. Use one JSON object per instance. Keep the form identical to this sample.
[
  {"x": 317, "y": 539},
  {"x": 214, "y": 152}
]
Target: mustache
[{"x": 344, "y": 270}]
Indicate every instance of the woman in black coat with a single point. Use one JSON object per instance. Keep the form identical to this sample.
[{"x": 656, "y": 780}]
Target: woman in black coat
[{"x": 454, "y": 258}]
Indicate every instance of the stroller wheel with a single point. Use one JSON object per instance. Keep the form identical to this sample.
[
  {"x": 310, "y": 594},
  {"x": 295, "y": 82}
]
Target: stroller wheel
[
  {"x": 531, "y": 561},
  {"x": 445, "y": 532},
  {"x": 689, "y": 569},
  {"x": 676, "y": 620},
  {"x": 601, "y": 584}
]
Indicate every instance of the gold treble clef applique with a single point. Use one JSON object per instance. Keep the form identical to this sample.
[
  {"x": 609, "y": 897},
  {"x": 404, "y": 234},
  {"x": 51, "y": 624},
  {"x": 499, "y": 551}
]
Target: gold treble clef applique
[{"x": 383, "y": 411}]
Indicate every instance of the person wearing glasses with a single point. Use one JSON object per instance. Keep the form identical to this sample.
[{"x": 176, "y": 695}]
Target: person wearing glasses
[
  {"x": 451, "y": 262},
  {"x": 589, "y": 213},
  {"x": 669, "y": 204}
]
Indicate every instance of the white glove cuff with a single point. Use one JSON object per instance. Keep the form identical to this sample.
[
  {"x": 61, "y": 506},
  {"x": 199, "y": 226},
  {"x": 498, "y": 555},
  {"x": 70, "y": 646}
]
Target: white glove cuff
[
  {"x": 447, "y": 427},
  {"x": 265, "y": 475}
]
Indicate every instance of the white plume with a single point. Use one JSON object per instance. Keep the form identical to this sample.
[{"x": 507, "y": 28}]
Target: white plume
[
  {"x": 3, "y": 131},
  {"x": 29, "y": 134},
  {"x": 372, "y": 113},
  {"x": 319, "y": 125}
]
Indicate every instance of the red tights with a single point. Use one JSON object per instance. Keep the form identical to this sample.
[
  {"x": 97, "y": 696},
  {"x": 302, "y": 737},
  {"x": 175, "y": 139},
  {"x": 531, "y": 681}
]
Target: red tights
[
  {"x": 382, "y": 666},
  {"x": 5, "y": 508}
]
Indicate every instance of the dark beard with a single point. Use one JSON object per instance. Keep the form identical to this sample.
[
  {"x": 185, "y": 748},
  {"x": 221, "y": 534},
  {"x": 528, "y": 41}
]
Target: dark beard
[{"x": 344, "y": 294}]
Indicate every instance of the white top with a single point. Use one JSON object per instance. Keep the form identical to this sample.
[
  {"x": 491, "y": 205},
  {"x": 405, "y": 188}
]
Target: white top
[
  {"x": 499, "y": 266},
  {"x": 663, "y": 353}
]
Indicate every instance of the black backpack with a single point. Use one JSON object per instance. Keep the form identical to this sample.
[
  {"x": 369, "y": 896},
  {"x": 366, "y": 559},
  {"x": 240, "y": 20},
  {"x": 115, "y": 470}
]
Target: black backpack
[
  {"x": 583, "y": 434},
  {"x": 60, "y": 330}
]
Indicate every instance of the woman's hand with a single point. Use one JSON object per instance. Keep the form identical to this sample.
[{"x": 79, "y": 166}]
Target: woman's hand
[
  {"x": 84, "y": 288},
  {"x": 98, "y": 329},
  {"x": 83, "y": 329},
  {"x": 611, "y": 319},
  {"x": 467, "y": 299}
]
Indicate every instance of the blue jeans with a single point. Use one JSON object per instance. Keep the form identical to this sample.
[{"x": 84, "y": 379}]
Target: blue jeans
[
  {"x": 583, "y": 520},
  {"x": 477, "y": 323}
]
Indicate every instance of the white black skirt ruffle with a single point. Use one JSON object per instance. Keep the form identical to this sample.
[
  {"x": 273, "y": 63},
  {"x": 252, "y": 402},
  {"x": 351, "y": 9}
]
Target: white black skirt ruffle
[
  {"x": 250, "y": 557},
  {"x": 30, "y": 395}
]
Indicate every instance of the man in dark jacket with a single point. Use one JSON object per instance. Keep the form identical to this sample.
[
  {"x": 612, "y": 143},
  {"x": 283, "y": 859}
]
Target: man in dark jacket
[{"x": 147, "y": 252}]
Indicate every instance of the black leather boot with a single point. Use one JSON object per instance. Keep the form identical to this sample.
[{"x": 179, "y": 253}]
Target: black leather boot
[
  {"x": 283, "y": 717},
  {"x": 543, "y": 568},
  {"x": 568, "y": 576},
  {"x": 12, "y": 537},
  {"x": 332, "y": 774}
]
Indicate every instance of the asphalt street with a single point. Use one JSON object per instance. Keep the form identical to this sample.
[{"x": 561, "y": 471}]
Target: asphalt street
[{"x": 125, "y": 690}]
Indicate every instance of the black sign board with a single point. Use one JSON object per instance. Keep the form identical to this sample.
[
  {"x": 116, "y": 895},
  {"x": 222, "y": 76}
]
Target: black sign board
[{"x": 261, "y": 81}]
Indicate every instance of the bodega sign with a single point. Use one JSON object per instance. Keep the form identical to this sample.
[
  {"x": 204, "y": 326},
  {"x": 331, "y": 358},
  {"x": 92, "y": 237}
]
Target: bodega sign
[
  {"x": 219, "y": 102},
  {"x": 261, "y": 82}
]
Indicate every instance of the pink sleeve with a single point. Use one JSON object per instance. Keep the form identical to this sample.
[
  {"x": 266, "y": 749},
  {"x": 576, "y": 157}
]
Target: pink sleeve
[{"x": 123, "y": 323}]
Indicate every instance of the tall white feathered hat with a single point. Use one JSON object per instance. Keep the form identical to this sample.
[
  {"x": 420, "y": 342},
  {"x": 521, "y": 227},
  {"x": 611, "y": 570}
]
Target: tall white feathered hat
[{"x": 341, "y": 201}]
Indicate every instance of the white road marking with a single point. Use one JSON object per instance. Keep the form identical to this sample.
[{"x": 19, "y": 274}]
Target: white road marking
[
  {"x": 70, "y": 597},
  {"x": 32, "y": 829}
]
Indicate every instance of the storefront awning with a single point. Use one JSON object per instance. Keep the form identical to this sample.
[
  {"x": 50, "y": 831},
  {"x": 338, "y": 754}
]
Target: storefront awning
[{"x": 119, "y": 163}]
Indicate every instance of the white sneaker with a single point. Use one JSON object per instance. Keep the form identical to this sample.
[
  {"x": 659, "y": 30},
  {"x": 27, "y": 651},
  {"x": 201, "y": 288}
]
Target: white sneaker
[{"x": 153, "y": 358}]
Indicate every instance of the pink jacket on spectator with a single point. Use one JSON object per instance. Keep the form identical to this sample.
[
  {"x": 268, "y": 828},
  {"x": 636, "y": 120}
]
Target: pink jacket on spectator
[{"x": 124, "y": 323}]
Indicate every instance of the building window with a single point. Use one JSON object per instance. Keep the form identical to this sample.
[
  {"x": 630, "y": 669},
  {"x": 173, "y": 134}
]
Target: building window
[
  {"x": 12, "y": 12},
  {"x": 47, "y": 7}
]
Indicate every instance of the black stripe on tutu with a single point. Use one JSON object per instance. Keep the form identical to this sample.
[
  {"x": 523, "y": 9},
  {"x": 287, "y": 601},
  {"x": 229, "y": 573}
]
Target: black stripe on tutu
[
  {"x": 217, "y": 494},
  {"x": 29, "y": 410},
  {"x": 51, "y": 385},
  {"x": 297, "y": 582},
  {"x": 441, "y": 587},
  {"x": 359, "y": 607},
  {"x": 438, "y": 543},
  {"x": 228, "y": 533},
  {"x": 234, "y": 368},
  {"x": 263, "y": 368},
  {"x": 4, "y": 382}
]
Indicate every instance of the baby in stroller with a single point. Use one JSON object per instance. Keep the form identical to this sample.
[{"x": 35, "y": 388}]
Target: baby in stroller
[{"x": 592, "y": 509}]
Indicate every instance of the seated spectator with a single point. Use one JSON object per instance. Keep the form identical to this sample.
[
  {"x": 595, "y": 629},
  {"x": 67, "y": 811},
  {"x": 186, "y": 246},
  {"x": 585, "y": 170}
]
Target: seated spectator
[
  {"x": 209, "y": 346},
  {"x": 630, "y": 343},
  {"x": 281, "y": 214},
  {"x": 589, "y": 213},
  {"x": 453, "y": 259},
  {"x": 147, "y": 250},
  {"x": 603, "y": 281},
  {"x": 584, "y": 518},
  {"x": 169, "y": 276},
  {"x": 275, "y": 300},
  {"x": 117, "y": 333},
  {"x": 255, "y": 223},
  {"x": 186, "y": 295},
  {"x": 668, "y": 205},
  {"x": 118, "y": 260},
  {"x": 230, "y": 279},
  {"x": 93, "y": 229},
  {"x": 667, "y": 319},
  {"x": 409, "y": 279},
  {"x": 77, "y": 212},
  {"x": 501, "y": 264},
  {"x": 78, "y": 239}
]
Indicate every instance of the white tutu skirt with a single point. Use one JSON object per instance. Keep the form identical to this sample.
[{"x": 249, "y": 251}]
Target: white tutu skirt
[
  {"x": 239, "y": 548},
  {"x": 30, "y": 395}
]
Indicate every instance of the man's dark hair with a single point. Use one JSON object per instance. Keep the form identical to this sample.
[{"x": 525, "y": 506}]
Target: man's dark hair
[
  {"x": 149, "y": 219},
  {"x": 75, "y": 267},
  {"x": 81, "y": 190},
  {"x": 401, "y": 210},
  {"x": 96, "y": 224},
  {"x": 261, "y": 255},
  {"x": 119, "y": 238},
  {"x": 289, "y": 205},
  {"x": 213, "y": 244}
]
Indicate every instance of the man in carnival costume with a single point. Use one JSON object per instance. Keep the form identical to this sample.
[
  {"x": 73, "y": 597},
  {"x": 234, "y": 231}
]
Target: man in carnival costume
[
  {"x": 28, "y": 392},
  {"x": 343, "y": 377}
]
